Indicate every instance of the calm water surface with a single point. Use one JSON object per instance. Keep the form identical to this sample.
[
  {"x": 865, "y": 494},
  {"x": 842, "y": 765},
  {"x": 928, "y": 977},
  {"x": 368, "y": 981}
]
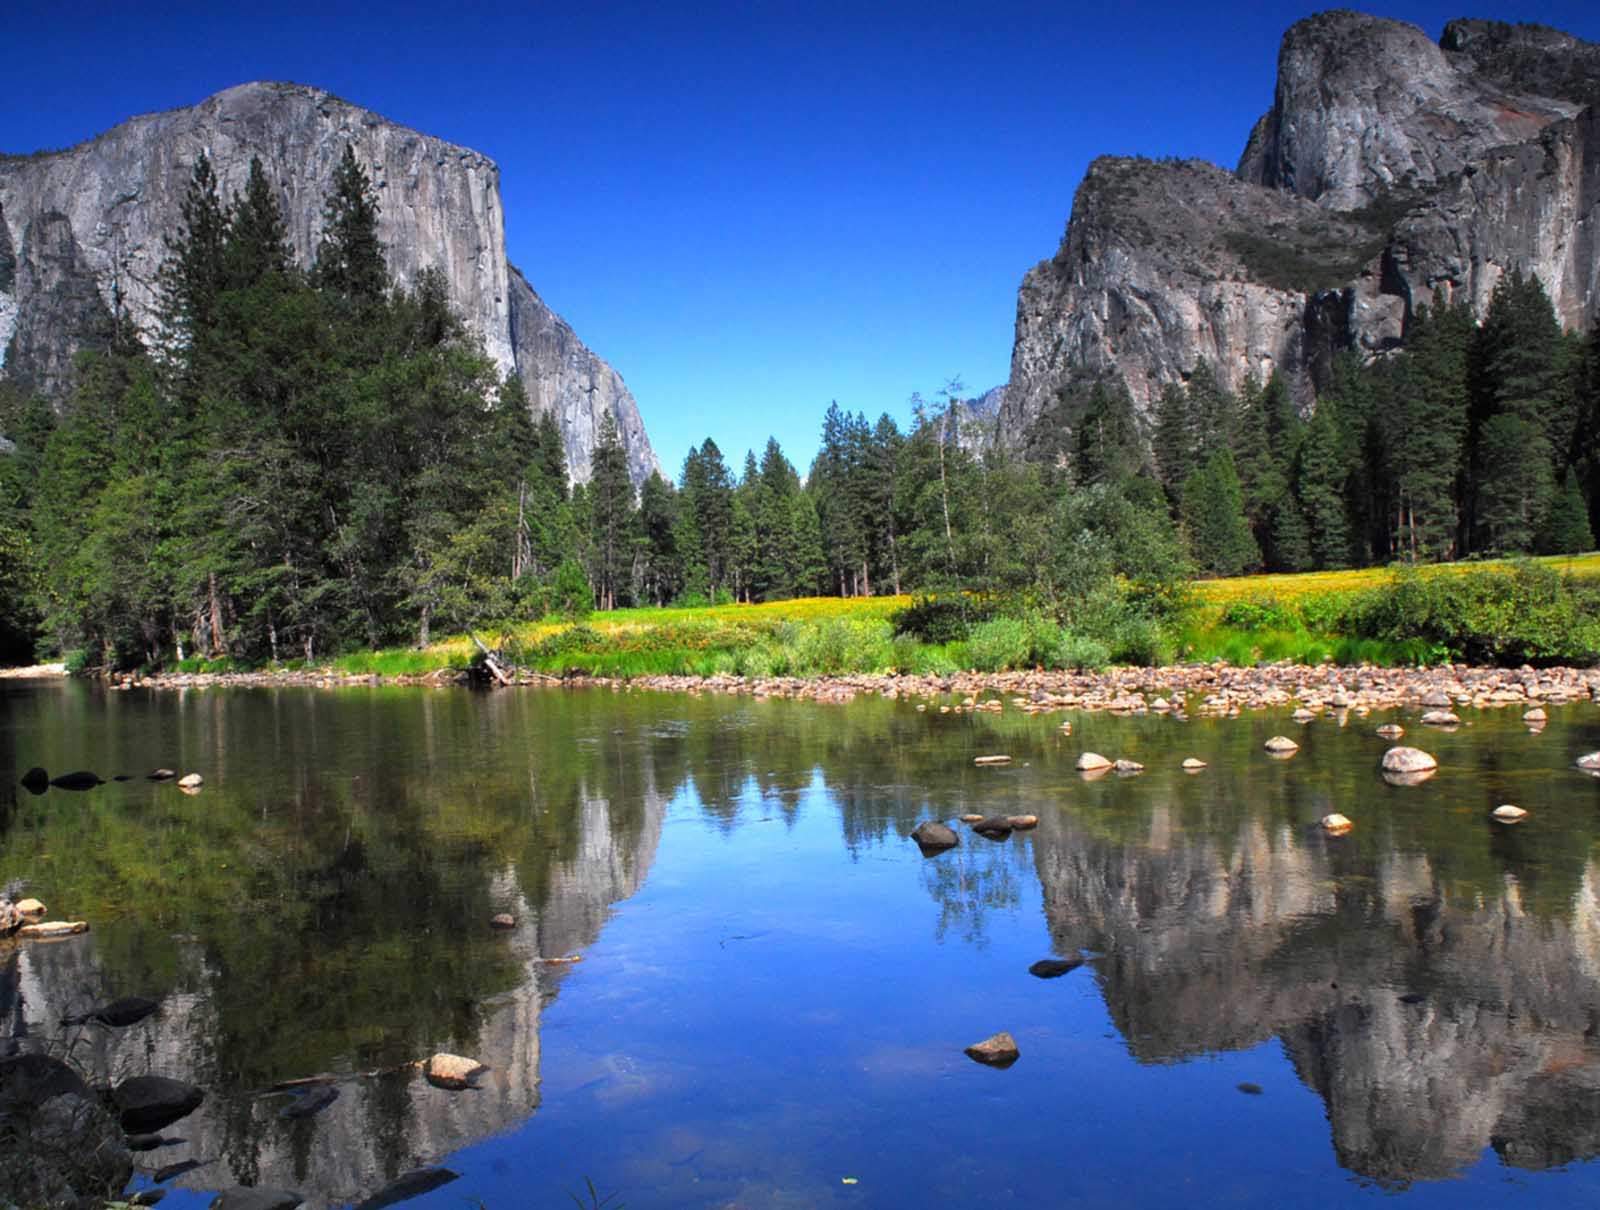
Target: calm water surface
[{"x": 776, "y": 987}]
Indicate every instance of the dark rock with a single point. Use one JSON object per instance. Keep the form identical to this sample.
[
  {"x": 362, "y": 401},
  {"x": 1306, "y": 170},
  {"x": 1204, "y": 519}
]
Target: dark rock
[
  {"x": 36, "y": 780},
  {"x": 310, "y": 1101},
  {"x": 149, "y": 1142},
  {"x": 997, "y": 1051},
  {"x": 147, "y": 1197},
  {"x": 1054, "y": 968},
  {"x": 993, "y": 827},
  {"x": 129, "y": 1010},
  {"x": 122, "y": 777},
  {"x": 163, "y": 1175},
  {"x": 81, "y": 780},
  {"x": 1249, "y": 1088},
  {"x": 148, "y": 1103},
  {"x": 258, "y": 1198},
  {"x": 411, "y": 1184},
  {"x": 161, "y": 774},
  {"x": 505, "y": 920},
  {"x": 1412, "y": 998},
  {"x": 933, "y": 837},
  {"x": 28, "y": 1081}
]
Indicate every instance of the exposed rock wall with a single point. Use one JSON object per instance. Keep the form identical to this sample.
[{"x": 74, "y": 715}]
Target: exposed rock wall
[
  {"x": 119, "y": 194},
  {"x": 1390, "y": 173}
]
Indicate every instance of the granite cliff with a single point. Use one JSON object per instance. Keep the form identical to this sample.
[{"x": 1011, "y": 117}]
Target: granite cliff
[
  {"x": 1390, "y": 172},
  {"x": 80, "y": 226}
]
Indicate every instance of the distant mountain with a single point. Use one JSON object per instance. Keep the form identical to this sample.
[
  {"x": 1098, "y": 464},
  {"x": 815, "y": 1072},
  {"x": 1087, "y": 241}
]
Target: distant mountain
[
  {"x": 77, "y": 224},
  {"x": 1390, "y": 173}
]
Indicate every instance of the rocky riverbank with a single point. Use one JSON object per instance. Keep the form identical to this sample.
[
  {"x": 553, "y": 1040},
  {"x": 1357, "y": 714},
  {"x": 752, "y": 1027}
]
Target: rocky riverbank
[{"x": 1209, "y": 689}]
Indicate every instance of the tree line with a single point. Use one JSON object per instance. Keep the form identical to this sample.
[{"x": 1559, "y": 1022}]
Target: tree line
[{"x": 297, "y": 462}]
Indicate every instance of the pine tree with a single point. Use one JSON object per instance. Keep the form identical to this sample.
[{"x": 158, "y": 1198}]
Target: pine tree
[
  {"x": 1213, "y": 514},
  {"x": 257, "y": 240},
  {"x": 611, "y": 514},
  {"x": 350, "y": 258},
  {"x": 1320, "y": 474},
  {"x": 1567, "y": 529}
]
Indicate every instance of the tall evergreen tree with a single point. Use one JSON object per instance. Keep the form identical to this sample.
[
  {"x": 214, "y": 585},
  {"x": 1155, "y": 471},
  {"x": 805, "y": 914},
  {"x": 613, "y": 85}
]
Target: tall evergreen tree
[
  {"x": 350, "y": 259},
  {"x": 1213, "y": 514}
]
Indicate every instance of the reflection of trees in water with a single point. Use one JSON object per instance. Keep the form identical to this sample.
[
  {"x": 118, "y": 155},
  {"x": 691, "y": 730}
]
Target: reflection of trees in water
[{"x": 970, "y": 882}]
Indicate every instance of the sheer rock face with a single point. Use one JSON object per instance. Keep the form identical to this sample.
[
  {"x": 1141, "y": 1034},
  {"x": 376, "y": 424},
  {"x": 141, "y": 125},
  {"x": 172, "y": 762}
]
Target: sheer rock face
[
  {"x": 119, "y": 196},
  {"x": 1390, "y": 173}
]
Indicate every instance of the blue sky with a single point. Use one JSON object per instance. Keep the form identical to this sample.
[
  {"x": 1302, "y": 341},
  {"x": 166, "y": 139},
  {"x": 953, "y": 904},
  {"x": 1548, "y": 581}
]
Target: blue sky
[{"x": 748, "y": 209}]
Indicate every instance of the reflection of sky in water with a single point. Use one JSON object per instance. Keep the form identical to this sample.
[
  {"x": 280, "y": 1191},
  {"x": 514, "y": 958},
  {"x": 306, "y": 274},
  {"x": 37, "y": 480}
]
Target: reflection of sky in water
[{"x": 784, "y": 1000}]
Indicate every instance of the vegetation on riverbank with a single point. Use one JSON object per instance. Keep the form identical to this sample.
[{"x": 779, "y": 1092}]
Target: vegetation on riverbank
[{"x": 1537, "y": 611}]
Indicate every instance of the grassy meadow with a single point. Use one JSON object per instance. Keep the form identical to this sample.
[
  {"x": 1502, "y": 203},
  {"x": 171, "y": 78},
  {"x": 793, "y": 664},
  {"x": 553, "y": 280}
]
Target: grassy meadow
[{"x": 1507, "y": 612}]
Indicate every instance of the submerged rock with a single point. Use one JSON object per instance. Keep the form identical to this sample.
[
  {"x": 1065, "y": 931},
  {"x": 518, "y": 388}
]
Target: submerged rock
[
  {"x": 54, "y": 928},
  {"x": 1193, "y": 764},
  {"x": 1441, "y": 718},
  {"x": 1281, "y": 745},
  {"x": 412, "y": 1184},
  {"x": 1507, "y": 813},
  {"x": 147, "y": 1103},
  {"x": 1000, "y": 1050},
  {"x": 1391, "y": 731},
  {"x": 129, "y": 1010},
  {"x": 991, "y": 760},
  {"x": 1590, "y": 762},
  {"x": 36, "y": 780},
  {"x": 1129, "y": 766},
  {"x": 933, "y": 837},
  {"x": 1054, "y": 968},
  {"x": 81, "y": 780},
  {"x": 160, "y": 775},
  {"x": 1090, "y": 761},
  {"x": 310, "y": 1101},
  {"x": 1335, "y": 824},
  {"x": 1023, "y": 822},
  {"x": 504, "y": 920},
  {"x": 191, "y": 781}
]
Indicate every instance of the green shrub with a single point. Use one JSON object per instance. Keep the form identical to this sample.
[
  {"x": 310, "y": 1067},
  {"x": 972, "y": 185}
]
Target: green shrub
[
  {"x": 1266, "y": 614},
  {"x": 936, "y": 619},
  {"x": 843, "y": 645},
  {"x": 1001, "y": 643},
  {"x": 1080, "y": 653}
]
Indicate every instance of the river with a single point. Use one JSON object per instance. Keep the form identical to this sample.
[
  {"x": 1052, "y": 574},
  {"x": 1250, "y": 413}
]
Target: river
[{"x": 775, "y": 987}]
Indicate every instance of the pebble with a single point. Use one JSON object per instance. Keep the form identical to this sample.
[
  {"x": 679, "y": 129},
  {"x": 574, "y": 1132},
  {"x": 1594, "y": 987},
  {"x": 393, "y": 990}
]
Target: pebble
[{"x": 1507, "y": 813}]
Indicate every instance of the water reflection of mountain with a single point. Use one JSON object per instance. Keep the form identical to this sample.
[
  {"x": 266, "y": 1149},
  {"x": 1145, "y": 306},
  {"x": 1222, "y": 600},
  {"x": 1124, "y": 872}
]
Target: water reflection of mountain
[
  {"x": 1431, "y": 1029},
  {"x": 384, "y": 1124}
]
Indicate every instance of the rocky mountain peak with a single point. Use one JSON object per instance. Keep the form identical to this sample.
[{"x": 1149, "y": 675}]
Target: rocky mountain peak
[
  {"x": 75, "y": 223},
  {"x": 1391, "y": 172}
]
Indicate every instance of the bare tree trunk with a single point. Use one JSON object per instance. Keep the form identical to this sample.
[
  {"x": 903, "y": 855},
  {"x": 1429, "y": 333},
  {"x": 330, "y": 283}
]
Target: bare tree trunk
[
  {"x": 219, "y": 641},
  {"x": 422, "y": 629}
]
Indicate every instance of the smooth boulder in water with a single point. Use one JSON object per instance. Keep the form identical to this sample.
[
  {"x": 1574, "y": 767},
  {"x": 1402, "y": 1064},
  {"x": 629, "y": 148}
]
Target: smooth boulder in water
[
  {"x": 1054, "y": 968},
  {"x": 452, "y": 1072},
  {"x": 1089, "y": 762},
  {"x": 80, "y": 780},
  {"x": 993, "y": 827},
  {"x": 36, "y": 780},
  {"x": 933, "y": 837},
  {"x": 412, "y": 1184},
  {"x": 129, "y": 1010},
  {"x": 146, "y": 1103},
  {"x": 1590, "y": 761},
  {"x": 1508, "y": 813},
  {"x": 1281, "y": 745},
  {"x": 1408, "y": 760},
  {"x": 309, "y": 1101}
]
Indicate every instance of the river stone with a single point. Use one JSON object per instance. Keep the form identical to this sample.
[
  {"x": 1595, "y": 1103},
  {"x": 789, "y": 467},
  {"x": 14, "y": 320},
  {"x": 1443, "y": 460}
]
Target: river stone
[
  {"x": 999, "y": 1050},
  {"x": 1129, "y": 766},
  {"x": 991, "y": 760},
  {"x": 1391, "y": 731},
  {"x": 971, "y": 818},
  {"x": 1090, "y": 761},
  {"x": 191, "y": 781},
  {"x": 1507, "y": 813},
  {"x": 260, "y": 1197},
  {"x": 54, "y": 928},
  {"x": 1303, "y": 715},
  {"x": 503, "y": 920},
  {"x": 36, "y": 780},
  {"x": 1438, "y": 698},
  {"x": 30, "y": 907},
  {"x": 1335, "y": 824},
  {"x": 1441, "y": 718},
  {"x": 161, "y": 774},
  {"x": 1535, "y": 715},
  {"x": 1023, "y": 822},
  {"x": 28, "y": 1081},
  {"x": 1281, "y": 743},
  {"x": 148, "y": 1103},
  {"x": 81, "y": 780},
  {"x": 411, "y": 1184},
  {"x": 1591, "y": 762},
  {"x": 452, "y": 1071},
  {"x": 993, "y": 827},
  {"x": 1193, "y": 764},
  {"x": 1408, "y": 760},
  {"x": 1054, "y": 968},
  {"x": 933, "y": 837}
]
